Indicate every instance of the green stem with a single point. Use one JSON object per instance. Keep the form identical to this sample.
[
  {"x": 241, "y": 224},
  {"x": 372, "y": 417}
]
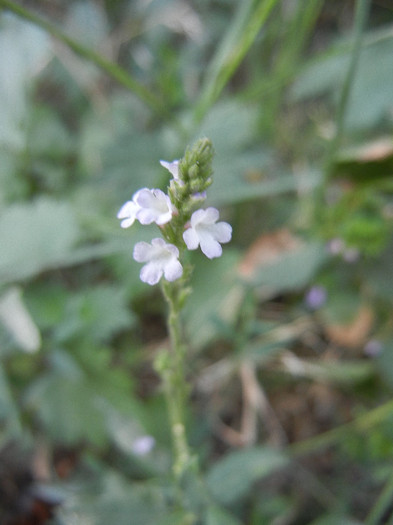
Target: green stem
[
  {"x": 382, "y": 504},
  {"x": 234, "y": 46},
  {"x": 360, "y": 424},
  {"x": 361, "y": 16},
  {"x": 175, "y": 383},
  {"x": 110, "y": 68}
]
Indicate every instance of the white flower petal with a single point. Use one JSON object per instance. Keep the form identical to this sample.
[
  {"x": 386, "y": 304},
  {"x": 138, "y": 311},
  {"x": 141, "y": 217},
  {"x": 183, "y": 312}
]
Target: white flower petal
[
  {"x": 173, "y": 269},
  {"x": 222, "y": 232},
  {"x": 207, "y": 233},
  {"x": 142, "y": 251},
  {"x": 154, "y": 206},
  {"x": 197, "y": 217},
  {"x": 172, "y": 167},
  {"x": 211, "y": 215},
  {"x": 160, "y": 243},
  {"x": 128, "y": 213},
  {"x": 151, "y": 273},
  {"x": 191, "y": 239},
  {"x": 161, "y": 259},
  {"x": 210, "y": 247},
  {"x": 146, "y": 215}
]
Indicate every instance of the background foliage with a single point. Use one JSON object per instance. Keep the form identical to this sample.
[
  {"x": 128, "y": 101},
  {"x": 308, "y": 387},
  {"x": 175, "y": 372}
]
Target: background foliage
[{"x": 290, "y": 332}]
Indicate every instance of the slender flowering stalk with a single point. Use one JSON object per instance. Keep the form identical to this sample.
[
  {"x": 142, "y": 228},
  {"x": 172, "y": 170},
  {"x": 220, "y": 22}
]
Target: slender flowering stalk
[{"x": 183, "y": 227}]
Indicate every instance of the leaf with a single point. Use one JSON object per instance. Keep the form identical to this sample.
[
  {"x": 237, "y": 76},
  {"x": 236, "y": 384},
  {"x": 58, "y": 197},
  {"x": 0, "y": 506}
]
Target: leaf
[
  {"x": 69, "y": 409},
  {"x": 339, "y": 372},
  {"x": 370, "y": 100},
  {"x": 115, "y": 500},
  {"x": 216, "y": 294},
  {"x": 95, "y": 313},
  {"x": 241, "y": 171},
  {"x": 24, "y": 47},
  {"x": 9, "y": 414},
  {"x": 218, "y": 516},
  {"x": 232, "y": 477},
  {"x": 286, "y": 265},
  {"x": 385, "y": 362},
  {"x": 17, "y": 319},
  {"x": 45, "y": 229}
]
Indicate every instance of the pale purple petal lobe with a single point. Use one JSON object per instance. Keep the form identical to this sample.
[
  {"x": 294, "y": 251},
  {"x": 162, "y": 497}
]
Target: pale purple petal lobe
[{"x": 191, "y": 239}]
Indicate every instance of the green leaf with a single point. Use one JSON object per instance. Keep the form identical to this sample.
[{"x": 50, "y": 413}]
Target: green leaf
[
  {"x": 69, "y": 408},
  {"x": 216, "y": 294},
  {"x": 115, "y": 500},
  {"x": 35, "y": 237},
  {"x": 232, "y": 477},
  {"x": 292, "y": 270},
  {"x": 218, "y": 516},
  {"x": 23, "y": 47},
  {"x": 370, "y": 100},
  {"x": 242, "y": 171},
  {"x": 96, "y": 314},
  {"x": 9, "y": 414}
]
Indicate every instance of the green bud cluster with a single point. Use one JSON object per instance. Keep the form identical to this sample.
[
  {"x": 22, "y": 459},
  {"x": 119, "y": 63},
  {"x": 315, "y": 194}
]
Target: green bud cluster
[{"x": 195, "y": 176}]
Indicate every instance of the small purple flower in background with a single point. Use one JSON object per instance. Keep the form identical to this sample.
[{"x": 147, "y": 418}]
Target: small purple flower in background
[
  {"x": 373, "y": 348},
  {"x": 351, "y": 255},
  {"x": 161, "y": 259},
  {"x": 335, "y": 246},
  {"x": 143, "y": 445},
  {"x": 316, "y": 297},
  {"x": 207, "y": 233}
]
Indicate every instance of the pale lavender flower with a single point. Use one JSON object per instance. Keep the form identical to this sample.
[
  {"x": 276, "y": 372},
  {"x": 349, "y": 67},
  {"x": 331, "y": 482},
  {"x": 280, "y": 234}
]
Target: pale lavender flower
[
  {"x": 316, "y": 297},
  {"x": 153, "y": 206},
  {"x": 207, "y": 233},
  {"x": 161, "y": 259}
]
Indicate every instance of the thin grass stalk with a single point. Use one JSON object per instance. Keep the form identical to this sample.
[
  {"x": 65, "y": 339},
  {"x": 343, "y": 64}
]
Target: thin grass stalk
[
  {"x": 362, "y": 9},
  {"x": 110, "y": 68},
  {"x": 382, "y": 504},
  {"x": 236, "y": 42},
  {"x": 361, "y": 424}
]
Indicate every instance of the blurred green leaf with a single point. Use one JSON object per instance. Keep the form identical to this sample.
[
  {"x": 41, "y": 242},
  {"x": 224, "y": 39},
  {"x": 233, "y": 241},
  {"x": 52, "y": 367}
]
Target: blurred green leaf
[
  {"x": 345, "y": 373},
  {"x": 218, "y": 516},
  {"x": 46, "y": 230},
  {"x": 335, "y": 519},
  {"x": 385, "y": 362},
  {"x": 379, "y": 274},
  {"x": 216, "y": 294},
  {"x": 291, "y": 271},
  {"x": 24, "y": 49},
  {"x": 95, "y": 313},
  {"x": 69, "y": 410},
  {"x": 370, "y": 100},
  {"x": 232, "y": 477},
  {"x": 11, "y": 426},
  {"x": 115, "y": 500}
]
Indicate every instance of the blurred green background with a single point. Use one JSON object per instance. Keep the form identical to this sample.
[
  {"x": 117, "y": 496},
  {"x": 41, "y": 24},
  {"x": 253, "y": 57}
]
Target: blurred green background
[{"x": 290, "y": 331}]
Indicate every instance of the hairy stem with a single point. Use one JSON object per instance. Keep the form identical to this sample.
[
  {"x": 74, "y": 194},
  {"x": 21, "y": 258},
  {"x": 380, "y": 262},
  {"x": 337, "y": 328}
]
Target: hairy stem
[{"x": 175, "y": 383}]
